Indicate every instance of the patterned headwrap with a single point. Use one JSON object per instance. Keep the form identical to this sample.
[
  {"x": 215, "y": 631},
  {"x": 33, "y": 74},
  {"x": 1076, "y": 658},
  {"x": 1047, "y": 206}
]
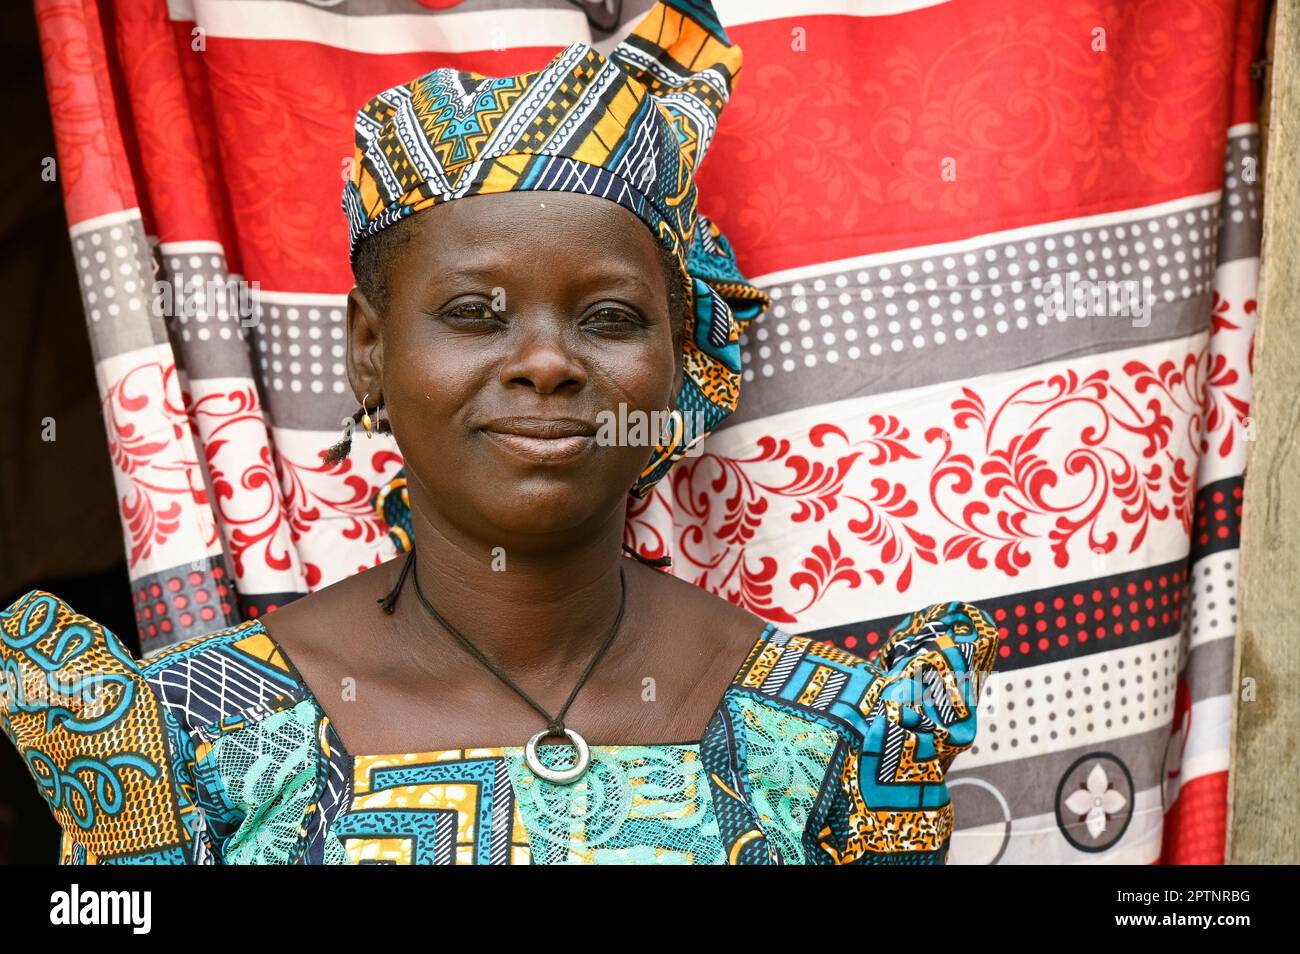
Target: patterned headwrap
[{"x": 631, "y": 128}]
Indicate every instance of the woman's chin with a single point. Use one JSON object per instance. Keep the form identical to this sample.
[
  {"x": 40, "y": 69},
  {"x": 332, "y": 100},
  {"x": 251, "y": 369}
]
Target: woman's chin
[{"x": 548, "y": 505}]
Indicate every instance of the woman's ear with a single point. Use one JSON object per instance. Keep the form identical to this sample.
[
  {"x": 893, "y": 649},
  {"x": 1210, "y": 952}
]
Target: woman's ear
[{"x": 365, "y": 352}]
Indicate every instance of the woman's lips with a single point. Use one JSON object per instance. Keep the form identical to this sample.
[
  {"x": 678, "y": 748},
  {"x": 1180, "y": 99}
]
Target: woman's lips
[
  {"x": 543, "y": 441},
  {"x": 544, "y": 450}
]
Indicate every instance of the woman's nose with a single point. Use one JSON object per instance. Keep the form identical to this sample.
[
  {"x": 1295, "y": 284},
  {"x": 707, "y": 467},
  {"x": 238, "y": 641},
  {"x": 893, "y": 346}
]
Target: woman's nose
[{"x": 544, "y": 361}]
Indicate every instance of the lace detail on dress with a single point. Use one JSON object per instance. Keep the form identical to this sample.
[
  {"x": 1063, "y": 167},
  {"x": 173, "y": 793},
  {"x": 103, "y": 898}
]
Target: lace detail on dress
[
  {"x": 270, "y": 770},
  {"x": 786, "y": 760},
  {"x": 635, "y": 805}
]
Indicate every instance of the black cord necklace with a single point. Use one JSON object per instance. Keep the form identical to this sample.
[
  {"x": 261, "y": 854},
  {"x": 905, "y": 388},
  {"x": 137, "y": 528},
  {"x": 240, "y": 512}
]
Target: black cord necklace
[{"x": 554, "y": 725}]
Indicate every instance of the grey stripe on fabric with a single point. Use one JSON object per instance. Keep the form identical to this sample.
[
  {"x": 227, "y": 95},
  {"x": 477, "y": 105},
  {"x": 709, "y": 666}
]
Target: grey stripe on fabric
[{"x": 1029, "y": 785}]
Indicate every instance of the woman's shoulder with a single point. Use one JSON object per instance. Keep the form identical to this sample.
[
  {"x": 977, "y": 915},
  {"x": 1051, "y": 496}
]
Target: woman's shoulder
[
  {"x": 823, "y": 755},
  {"x": 689, "y": 610},
  {"x": 216, "y": 676},
  {"x": 222, "y": 676},
  {"x": 144, "y": 760},
  {"x": 93, "y": 734},
  {"x": 783, "y": 667},
  {"x": 952, "y": 640}
]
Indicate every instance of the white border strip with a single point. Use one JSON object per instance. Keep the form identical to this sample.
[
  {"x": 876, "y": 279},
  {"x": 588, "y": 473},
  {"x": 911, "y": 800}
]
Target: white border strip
[
  {"x": 1207, "y": 743},
  {"x": 194, "y": 247},
  {"x": 300, "y": 298},
  {"x": 1054, "y": 227},
  {"x": 389, "y": 33},
  {"x": 735, "y": 12},
  {"x": 100, "y": 221},
  {"x": 453, "y": 32}
]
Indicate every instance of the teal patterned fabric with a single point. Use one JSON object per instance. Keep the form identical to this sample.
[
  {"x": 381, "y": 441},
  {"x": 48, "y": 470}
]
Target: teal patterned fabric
[
  {"x": 223, "y": 755},
  {"x": 636, "y": 804}
]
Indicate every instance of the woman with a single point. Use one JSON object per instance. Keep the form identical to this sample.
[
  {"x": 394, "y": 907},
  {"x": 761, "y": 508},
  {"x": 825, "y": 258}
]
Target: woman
[{"x": 529, "y": 260}]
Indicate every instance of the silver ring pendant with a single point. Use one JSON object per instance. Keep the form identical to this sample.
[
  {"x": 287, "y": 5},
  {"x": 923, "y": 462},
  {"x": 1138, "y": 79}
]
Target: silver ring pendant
[{"x": 558, "y": 776}]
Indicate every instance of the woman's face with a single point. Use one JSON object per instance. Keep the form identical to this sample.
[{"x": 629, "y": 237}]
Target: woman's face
[{"x": 512, "y": 322}]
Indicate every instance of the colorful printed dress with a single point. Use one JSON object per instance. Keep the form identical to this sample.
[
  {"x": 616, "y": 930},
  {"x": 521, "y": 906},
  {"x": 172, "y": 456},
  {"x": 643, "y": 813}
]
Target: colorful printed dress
[{"x": 215, "y": 751}]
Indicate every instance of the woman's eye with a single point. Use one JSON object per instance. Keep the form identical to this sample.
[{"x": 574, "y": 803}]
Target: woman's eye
[
  {"x": 472, "y": 311},
  {"x": 611, "y": 317}
]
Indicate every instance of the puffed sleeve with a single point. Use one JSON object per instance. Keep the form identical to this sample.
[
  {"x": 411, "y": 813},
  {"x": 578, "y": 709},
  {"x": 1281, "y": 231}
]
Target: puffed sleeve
[
  {"x": 94, "y": 737},
  {"x": 919, "y": 712}
]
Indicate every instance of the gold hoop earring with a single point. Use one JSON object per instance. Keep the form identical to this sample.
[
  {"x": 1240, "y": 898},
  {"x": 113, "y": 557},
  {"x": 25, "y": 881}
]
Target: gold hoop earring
[
  {"x": 679, "y": 449},
  {"x": 679, "y": 430}
]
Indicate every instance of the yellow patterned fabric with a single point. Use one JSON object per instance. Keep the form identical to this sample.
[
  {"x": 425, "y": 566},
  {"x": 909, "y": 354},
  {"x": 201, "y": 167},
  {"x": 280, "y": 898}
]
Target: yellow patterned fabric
[{"x": 91, "y": 732}]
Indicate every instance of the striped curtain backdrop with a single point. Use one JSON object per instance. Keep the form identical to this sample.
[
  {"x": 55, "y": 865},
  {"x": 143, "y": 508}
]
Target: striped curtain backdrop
[{"x": 942, "y": 402}]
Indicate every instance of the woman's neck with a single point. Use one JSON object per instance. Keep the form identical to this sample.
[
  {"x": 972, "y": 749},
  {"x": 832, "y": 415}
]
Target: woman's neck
[{"x": 526, "y": 603}]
